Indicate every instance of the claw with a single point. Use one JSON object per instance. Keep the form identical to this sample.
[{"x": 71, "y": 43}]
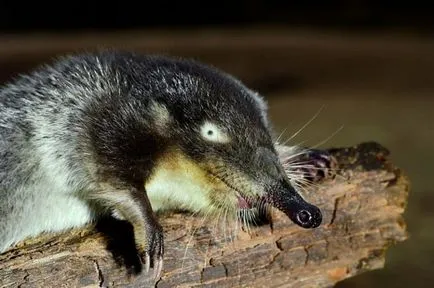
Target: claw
[
  {"x": 158, "y": 260},
  {"x": 158, "y": 268},
  {"x": 147, "y": 262}
]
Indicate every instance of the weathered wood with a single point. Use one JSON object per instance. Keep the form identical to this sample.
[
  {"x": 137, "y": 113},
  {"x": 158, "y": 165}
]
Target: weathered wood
[{"x": 362, "y": 209}]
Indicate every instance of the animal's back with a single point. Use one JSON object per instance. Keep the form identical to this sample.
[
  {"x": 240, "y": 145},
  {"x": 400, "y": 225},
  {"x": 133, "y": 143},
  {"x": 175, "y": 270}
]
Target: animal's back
[{"x": 40, "y": 173}]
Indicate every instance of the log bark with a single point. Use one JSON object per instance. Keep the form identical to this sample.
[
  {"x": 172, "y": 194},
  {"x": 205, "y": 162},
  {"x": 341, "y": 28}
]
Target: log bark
[{"x": 362, "y": 206}]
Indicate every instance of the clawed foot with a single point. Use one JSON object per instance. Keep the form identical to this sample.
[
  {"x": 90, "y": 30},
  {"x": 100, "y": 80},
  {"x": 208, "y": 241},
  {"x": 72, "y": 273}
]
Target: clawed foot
[
  {"x": 151, "y": 250},
  {"x": 314, "y": 165}
]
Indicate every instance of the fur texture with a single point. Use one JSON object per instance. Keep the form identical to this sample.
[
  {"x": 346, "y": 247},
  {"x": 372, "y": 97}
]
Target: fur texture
[{"x": 116, "y": 132}]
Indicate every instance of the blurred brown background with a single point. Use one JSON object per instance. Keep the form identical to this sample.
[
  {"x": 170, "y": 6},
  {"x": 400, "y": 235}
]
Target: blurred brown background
[{"x": 367, "y": 64}]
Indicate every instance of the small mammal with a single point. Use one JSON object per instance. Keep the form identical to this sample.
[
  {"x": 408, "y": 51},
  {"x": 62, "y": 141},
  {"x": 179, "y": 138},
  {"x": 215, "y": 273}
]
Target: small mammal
[{"x": 128, "y": 134}]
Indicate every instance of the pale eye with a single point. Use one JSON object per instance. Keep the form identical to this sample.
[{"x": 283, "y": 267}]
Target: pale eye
[{"x": 212, "y": 132}]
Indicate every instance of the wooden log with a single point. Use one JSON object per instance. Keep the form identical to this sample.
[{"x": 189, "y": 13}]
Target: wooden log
[{"x": 362, "y": 208}]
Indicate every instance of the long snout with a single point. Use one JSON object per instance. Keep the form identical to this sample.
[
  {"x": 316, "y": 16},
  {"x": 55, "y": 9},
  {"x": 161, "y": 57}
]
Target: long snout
[{"x": 285, "y": 198}]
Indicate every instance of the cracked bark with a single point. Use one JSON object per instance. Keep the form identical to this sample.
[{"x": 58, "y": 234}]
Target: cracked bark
[
  {"x": 99, "y": 273},
  {"x": 362, "y": 209}
]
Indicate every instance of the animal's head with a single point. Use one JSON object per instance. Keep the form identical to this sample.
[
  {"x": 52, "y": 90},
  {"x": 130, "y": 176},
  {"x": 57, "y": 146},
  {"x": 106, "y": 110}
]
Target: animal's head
[{"x": 221, "y": 145}]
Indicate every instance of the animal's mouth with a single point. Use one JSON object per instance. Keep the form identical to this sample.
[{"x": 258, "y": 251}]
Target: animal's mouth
[
  {"x": 284, "y": 197},
  {"x": 249, "y": 202},
  {"x": 243, "y": 203}
]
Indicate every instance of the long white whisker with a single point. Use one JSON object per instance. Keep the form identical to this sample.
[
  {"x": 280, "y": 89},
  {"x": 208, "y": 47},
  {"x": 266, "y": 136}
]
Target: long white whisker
[
  {"x": 205, "y": 216},
  {"x": 294, "y": 155},
  {"x": 189, "y": 241},
  {"x": 305, "y": 125},
  {"x": 328, "y": 138},
  {"x": 209, "y": 244},
  {"x": 246, "y": 222},
  {"x": 224, "y": 225},
  {"x": 281, "y": 134}
]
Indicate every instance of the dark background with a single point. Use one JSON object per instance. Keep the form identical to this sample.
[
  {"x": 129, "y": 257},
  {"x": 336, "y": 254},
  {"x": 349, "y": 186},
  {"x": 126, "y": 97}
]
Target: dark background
[
  {"x": 19, "y": 16},
  {"x": 370, "y": 63}
]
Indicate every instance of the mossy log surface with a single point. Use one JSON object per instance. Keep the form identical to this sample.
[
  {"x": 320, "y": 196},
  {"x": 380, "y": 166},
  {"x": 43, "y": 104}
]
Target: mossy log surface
[{"x": 362, "y": 207}]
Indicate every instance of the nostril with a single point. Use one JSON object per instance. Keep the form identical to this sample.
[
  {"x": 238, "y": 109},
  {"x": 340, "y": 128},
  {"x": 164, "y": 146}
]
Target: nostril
[
  {"x": 304, "y": 217},
  {"x": 316, "y": 218}
]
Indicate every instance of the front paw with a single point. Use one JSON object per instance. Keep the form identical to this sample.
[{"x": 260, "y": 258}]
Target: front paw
[
  {"x": 316, "y": 165},
  {"x": 151, "y": 248}
]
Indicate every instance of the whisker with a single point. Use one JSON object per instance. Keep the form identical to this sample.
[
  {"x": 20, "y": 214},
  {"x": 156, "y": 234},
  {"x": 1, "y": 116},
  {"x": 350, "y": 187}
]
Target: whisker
[
  {"x": 294, "y": 155},
  {"x": 246, "y": 221},
  {"x": 204, "y": 217},
  {"x": 295, "y": 171},
  {"x": 281, "y": 134},
  {"x": 306, "y": 184},
  {"x": 224, "y": 225},
  {"x": 328, "y": 138},
  {"x": 305, "y": 125},
  {"x": 299, "y": 144},
  {"x": 209, "y": 243}
]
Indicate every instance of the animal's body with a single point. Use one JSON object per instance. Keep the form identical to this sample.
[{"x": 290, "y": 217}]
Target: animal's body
[{"x": 126, "y": 134}]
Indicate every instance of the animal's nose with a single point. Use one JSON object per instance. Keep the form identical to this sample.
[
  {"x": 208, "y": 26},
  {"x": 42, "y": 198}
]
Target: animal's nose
[
  {"x": 284, "y": 197},
  {"x": 309, "y": 218}
]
